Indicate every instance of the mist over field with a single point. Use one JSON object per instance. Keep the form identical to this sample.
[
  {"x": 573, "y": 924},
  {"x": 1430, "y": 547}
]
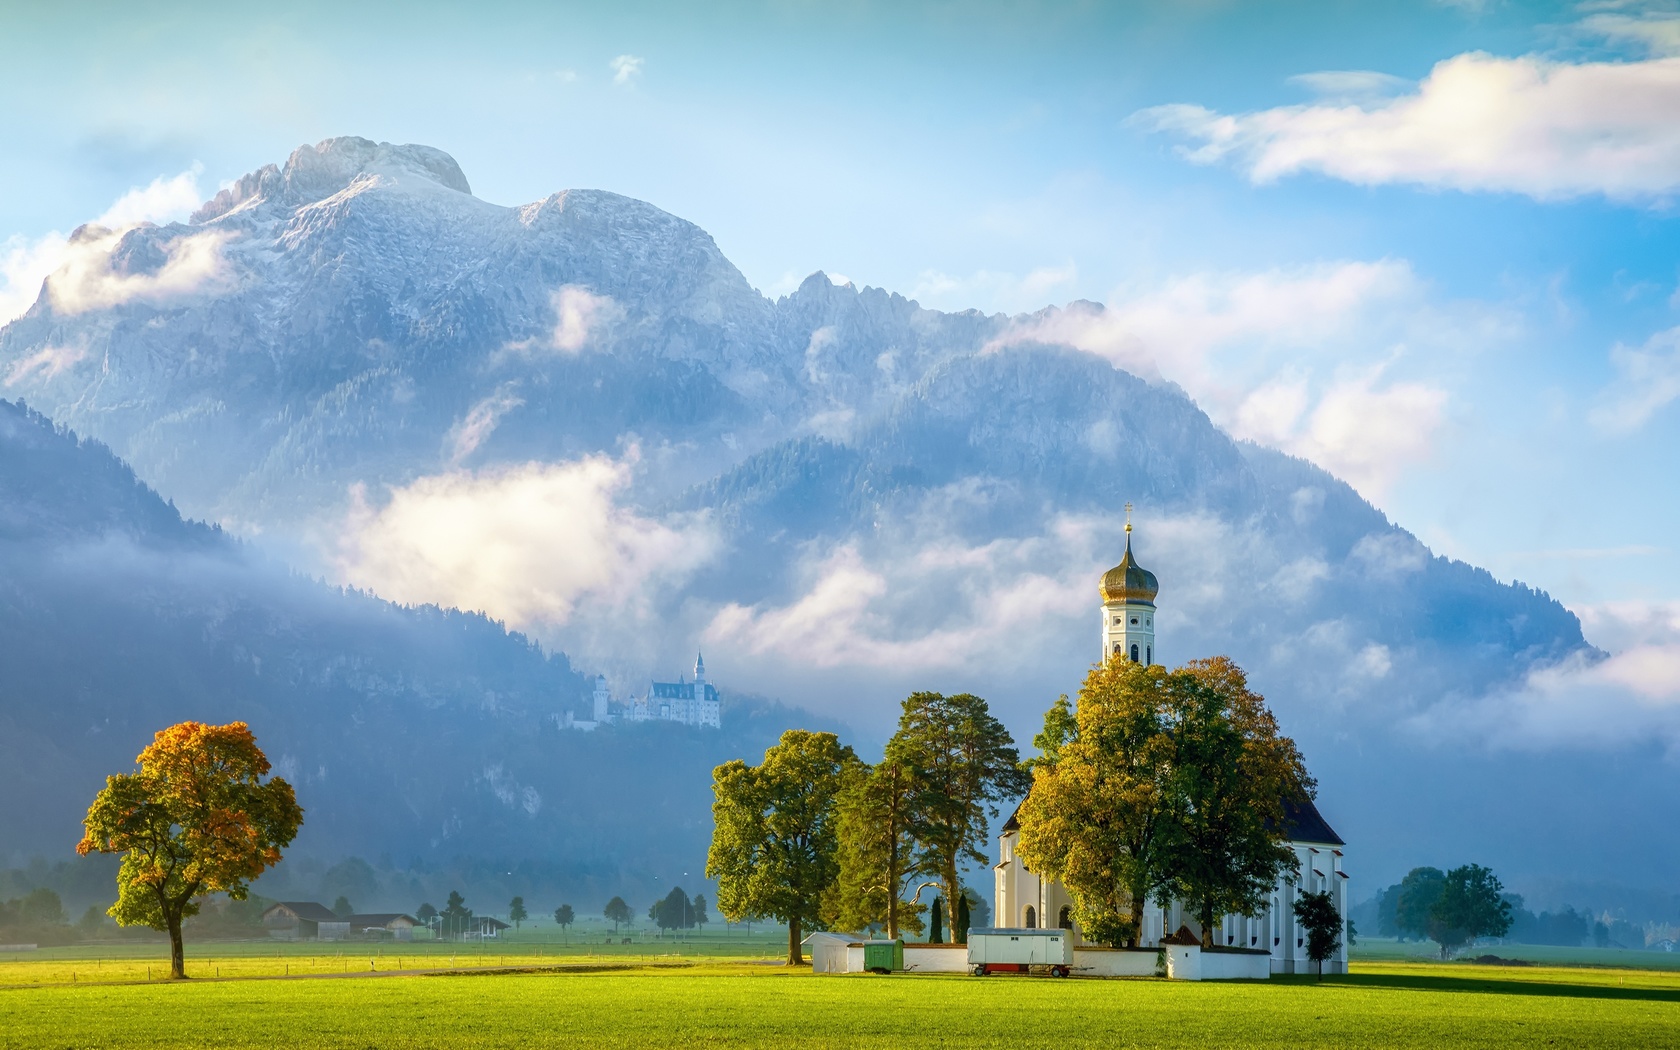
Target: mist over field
[{"x": 577, "y": 420}]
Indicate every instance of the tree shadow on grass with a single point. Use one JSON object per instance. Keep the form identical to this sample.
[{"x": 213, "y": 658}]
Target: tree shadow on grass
[{"x": 1513, "y": 985}]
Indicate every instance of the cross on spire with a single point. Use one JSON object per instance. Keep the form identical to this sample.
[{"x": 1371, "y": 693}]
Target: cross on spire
[{"x": 1128, "y": 518}]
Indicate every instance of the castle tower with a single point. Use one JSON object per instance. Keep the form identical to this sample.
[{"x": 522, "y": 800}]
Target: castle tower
[{"x": 1128, "y": 609}]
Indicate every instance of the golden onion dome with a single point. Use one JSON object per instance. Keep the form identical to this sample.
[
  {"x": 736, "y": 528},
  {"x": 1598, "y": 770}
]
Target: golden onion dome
[{"x": 1129, "y": 581}]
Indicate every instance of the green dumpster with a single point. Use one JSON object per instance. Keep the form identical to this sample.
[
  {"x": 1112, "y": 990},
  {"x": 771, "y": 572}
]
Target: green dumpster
[{"x": 883, "y": 956}]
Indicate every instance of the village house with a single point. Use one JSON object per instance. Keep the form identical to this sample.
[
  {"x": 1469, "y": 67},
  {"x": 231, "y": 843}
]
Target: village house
[
  {"x": 382, "y": 925},
  {"x": 304, "y": 921}
]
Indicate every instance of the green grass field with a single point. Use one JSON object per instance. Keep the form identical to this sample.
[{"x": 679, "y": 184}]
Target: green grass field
[{"x": 605, "y": 1002}]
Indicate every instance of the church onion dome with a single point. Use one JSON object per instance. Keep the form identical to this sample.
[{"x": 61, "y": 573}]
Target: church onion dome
[{"x": 1129, "y": 581}]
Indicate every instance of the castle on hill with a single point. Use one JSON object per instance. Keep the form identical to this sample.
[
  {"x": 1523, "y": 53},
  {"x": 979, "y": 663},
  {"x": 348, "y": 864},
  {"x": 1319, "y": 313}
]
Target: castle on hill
[
  {"x": 1022, "y": 899},
  {"x": 692, "y": 703}
]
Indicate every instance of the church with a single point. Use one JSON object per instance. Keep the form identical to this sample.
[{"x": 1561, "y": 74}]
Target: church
[{"x": 1022, "y": 899}]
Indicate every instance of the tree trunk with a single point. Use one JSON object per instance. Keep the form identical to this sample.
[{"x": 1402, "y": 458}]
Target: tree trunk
[
  {"x": 177, "y": 950},
  {"x": 1207, "y": 924},
  {"x": 952, "y": 892},
  {"x": 796, "y": 954},
  {"x": 1137, "y": 922}
]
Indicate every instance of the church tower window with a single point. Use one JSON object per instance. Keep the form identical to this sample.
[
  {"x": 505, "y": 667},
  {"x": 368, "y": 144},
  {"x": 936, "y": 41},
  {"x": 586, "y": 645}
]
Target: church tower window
[{"x": 1134, "y": 653}]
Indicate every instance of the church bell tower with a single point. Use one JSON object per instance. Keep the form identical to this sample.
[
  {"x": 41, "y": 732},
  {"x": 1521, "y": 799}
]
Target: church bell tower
[{"x": 1128, "y": 608}]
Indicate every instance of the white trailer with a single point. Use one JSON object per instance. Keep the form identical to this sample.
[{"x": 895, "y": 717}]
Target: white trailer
[{"x": 997, "y": 950}]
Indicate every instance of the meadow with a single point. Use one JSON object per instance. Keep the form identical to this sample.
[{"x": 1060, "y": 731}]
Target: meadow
[{"x": 541, "y": 1000}]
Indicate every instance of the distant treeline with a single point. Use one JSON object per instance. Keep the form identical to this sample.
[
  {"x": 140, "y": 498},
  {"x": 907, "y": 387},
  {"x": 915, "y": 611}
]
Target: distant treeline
[{"x": 1398, "y": 911}]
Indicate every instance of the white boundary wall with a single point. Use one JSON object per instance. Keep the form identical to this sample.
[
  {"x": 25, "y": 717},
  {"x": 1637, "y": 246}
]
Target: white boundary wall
[
  {"x": 1114, "y": 962},
  {"x": 1187, "y": 962}
]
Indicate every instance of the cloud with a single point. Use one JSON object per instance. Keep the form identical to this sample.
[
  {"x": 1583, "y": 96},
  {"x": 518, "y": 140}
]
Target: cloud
[
  {"x": 1647, "y": 379},
  {"x": 1007, "y": 291},
  {"x": 626, "y": 68},
  {"x": 1274, "y": 356},
  {"x": 530, "y": 544},
  {"x": 1531, "y": 125},
  {"x": 579, "y": 315},
  {"x": 480, "y": 422},
  {"x": 1588, "y": 700},
  {"x": 26, "y": 263},
  {"x": 88, "y": 278},
  {"x": 44, "y": 364}
]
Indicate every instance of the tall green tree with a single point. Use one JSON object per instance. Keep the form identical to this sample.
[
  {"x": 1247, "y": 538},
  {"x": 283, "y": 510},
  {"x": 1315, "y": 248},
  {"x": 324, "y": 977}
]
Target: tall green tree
[
  {"x": 1100, "y": 814},
  {"x": 775, "y": 836},
  {"x": 343, "y": 908},
  {"x": 1472, "y": 904},
  {"x": 617, "y": 911},
  {"x": 698, "y": 916},
  {"x": 937, "y": 934},
  {"x": 194, "y": 818},
  {"x": 876, "y": 847},
  {"x": 962, "y": 763},
  {"x": 1233, "y": 773},
  {"x": 1414, "y": 902},
  {"x": 673, "y": 911},
  {"x": 455, "y": 915},
  {"x": 1061, "y": 727},
  {"x": 516, "y": 911},
  {"x": 564, "y": 916},
  {"x": 1316, "y": 912}
]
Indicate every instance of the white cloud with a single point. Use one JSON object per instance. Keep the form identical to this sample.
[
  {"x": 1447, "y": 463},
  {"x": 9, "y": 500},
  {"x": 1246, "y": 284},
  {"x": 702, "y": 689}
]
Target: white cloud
[
  {"x": 1648, "y": 378},
  {"x": 579, "y": 316},
  {"x": 480, "y": 422},
  {"x": 1628, "y": 698},
  {"x": 529, "y": 544},
  {"x": 626, "y": 68},
  {"x": 1005, "y": 291},
  {"x": 852, "y": 611},
  {"x": 1529, "y": 125},
  {"x": 25, "y": 263},
  {"x": 1275, "y": 356},
  {"x": 44, "y": 364},
  {"x": 85, "y": 278}
]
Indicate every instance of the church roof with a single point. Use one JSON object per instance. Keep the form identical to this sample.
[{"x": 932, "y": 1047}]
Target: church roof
[
  {"x": 1303, "y": 820},
  {"x": 1307, "y": 825},
  {"x": 1129, "y": 580}
]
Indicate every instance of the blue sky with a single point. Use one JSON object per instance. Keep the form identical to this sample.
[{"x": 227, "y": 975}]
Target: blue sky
[{"x": 1481, "y": 331}]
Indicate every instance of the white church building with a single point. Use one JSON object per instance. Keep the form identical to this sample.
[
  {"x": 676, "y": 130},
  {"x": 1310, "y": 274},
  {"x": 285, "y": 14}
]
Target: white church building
[{"x": 1022, "y": 899}]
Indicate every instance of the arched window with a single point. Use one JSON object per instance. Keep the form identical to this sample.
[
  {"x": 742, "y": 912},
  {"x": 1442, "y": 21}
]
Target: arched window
[
  {"x": 1064, "y": 921},
  {"x": 1149, "y": 654},
  {"x": 1134, "y": 653},
  {"x": 1032, "y": 918},
  {"x": 1116, "y": 648}
]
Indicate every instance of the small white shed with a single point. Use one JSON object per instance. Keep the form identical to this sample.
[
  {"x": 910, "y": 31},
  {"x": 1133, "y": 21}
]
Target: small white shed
[{"x": 828, "y": 951}]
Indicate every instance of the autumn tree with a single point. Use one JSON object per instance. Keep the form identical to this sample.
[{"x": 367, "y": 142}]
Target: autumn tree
[
  {"x": 194, "y": 818},
  {"x": 775, "y": 838},
  {"x": 876, "y": 847},
  {"x": 1472, "y": 904},
  {"x": 1099, "y": 816},
  {"x": 1234, "y": 774},
  {"x": 962, "y": 762},
  {"x": 1317, "y": 914}
]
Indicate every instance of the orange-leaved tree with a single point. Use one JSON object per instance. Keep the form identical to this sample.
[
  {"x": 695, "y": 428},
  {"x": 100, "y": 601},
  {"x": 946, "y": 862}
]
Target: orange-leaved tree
[{"x": 194, "y": 819}]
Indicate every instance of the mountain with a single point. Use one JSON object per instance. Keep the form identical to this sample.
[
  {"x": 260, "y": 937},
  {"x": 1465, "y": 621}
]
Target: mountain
[
  {"x": 577, "y": 415},
  {"x": 422, "y": 734}
]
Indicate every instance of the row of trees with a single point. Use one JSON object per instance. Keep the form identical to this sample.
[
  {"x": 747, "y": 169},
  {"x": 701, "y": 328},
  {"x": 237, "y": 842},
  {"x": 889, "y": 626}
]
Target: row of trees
[
  {"x": 1162, "y": 784},
  {"x": 816, "y": 838}
]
